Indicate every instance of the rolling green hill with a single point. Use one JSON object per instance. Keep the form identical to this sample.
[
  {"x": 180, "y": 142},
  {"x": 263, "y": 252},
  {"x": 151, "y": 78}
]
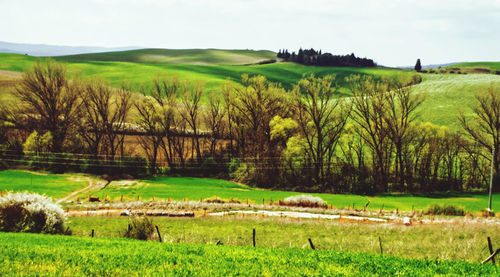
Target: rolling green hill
[
  {"x": 178, "y": 56},
  {"x": 213, "y": 75},
  {"x": 493, "y": 66}
]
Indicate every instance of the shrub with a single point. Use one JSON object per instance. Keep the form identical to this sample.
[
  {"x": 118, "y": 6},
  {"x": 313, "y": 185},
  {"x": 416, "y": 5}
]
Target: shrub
[
  {"x": 209, "y": 166},
  {"x": 31, "y": 212},
  {"x": 304, "y": 201},
  {"x": 215, "y": 199},
  {"x": 445, "y": 209},
  {"x": 141, "y": 228}
]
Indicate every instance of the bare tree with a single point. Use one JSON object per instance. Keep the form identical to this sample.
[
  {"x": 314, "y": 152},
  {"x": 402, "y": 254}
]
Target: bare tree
[
  {"x": 484, "y": 127},
  {"x": 321, "y": 121},
  {"x": 47, "y": 97},
  {"x": 400, "y": 112},
  {"x": 107, "y": 110},
  {"x": 369, "y": 111},
  {"x": 190, "y": 113},
  {"x": 214, "y": 120}
]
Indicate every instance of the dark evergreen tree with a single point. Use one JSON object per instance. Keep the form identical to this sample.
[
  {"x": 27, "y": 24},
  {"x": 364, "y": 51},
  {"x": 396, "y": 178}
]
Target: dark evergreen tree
[{"x": 418, "y": 66}]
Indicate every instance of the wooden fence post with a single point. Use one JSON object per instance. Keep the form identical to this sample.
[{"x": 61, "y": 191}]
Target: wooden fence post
[
  {"x": 490, "y": 246},
  {"x": 492, "y": 256},
  {"x": 380, "y": 243},
  {"x": 311, "y": 243},
  {"x": 92, "y": 235},
  {"x": 158, "y": 231},
  {"x": 253, "y": 237}
]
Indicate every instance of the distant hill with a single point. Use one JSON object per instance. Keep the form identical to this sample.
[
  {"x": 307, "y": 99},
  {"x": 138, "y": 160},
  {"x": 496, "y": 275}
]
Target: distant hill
[
  {"x": 179, "y": 56},
  {"x": 477, "y": 66},
  {"x": 429, "y": 66},
  {"x": 42, "y": 50}
]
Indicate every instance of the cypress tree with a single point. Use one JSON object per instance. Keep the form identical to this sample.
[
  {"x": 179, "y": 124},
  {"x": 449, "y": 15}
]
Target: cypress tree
[{"x": 418, "y": 66}]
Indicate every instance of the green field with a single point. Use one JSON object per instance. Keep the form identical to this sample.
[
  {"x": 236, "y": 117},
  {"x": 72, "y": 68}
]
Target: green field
[
  {"x": 26, "y": 254},
  {"x": 196, "y": 189},
  {"x": 53, "y": 185},
  {"x": 441, "y": 242},
  {"x": 179, "y": 188}
]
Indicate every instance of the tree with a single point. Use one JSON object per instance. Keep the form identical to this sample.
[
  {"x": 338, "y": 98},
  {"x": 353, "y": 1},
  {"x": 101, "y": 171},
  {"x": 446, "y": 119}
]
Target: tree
[
  {"x": 106, "y": 111},
  {"x": 484, "y": 128},
  {"x": 321, "y": 120},
  {"x": 189, "y": 112},
  {"x": 369, "y": 110},
  {"x": 214, "y": 120},
  {"x": 255, "y": 105},
  {"x": 47, "y": 98},
  {"x": 400, "y": 113},
  {"x": 418, "y": 66},
  {"x": 156, "y": 113}
]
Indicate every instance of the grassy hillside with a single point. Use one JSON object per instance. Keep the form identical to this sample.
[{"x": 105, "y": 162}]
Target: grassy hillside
[
  {"x": 178, "y": 56},
  {"x": 492, "y": 66},
  {"x": 24, "y": 254},
  {"x": 117, "y": 72},
  {"x": 447, "y": 94}
]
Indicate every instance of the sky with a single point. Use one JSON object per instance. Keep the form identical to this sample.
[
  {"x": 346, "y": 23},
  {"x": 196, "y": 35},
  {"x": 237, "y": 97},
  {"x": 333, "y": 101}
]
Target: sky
[{"x": 391, "y": 32}]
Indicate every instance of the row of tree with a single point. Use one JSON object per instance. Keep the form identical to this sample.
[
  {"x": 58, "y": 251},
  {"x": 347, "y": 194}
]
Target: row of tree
[
  {"x": 309, "y": 138},
  {"x": 313, "y": 57}
]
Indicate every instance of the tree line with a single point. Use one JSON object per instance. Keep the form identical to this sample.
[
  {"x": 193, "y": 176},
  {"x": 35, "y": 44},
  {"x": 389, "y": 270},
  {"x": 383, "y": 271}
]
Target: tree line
[
  {"x": 309, "y": 138},
  {"x": 313, "y": 57}
]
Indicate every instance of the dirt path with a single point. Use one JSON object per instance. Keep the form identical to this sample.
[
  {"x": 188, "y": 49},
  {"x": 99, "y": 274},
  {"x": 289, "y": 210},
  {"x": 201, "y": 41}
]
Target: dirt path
[{"x": 94, "y": 185}]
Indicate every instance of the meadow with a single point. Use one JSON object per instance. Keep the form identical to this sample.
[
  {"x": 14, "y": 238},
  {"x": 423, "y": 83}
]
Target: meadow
[
  {"x": 25, "y": 254},
  {"x": 53, "y": 185},
  {"x": 435, "y": 242},
  {"x": 199, "y": 189}
]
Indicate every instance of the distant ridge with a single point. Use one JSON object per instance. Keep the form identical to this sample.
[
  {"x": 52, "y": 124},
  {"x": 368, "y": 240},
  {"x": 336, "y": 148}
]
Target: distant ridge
[{"x": 41, "y": 50}]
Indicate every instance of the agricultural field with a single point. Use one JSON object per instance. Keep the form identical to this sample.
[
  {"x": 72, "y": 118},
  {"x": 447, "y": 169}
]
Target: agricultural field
[
  {"x": 77, "y": 256},
  {"x": 199, "y": 189}
]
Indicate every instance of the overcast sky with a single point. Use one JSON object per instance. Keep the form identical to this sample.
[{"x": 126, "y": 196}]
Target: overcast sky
[{"x": 391, "y": 32}]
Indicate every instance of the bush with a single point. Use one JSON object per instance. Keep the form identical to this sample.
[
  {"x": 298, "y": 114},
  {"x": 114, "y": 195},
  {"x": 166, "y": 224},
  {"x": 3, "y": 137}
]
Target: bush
[
  {"x": 209, "y": 167},
  {"x": 31, "y": 212},
  {"x": 438, "y": 209},
  {"x": 215, "y": 199},
  {"x": 304, "y": 201},
  {"x": 141, "y": 228}
]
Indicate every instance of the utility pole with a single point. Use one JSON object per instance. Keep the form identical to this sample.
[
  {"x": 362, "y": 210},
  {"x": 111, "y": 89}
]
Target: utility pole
[{"x": 491, "y": 176}]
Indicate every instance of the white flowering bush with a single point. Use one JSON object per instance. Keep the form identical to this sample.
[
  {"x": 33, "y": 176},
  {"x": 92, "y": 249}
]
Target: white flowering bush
[
  {"x": 303, "y": 201},
  {"x": 31, "y": 212}
]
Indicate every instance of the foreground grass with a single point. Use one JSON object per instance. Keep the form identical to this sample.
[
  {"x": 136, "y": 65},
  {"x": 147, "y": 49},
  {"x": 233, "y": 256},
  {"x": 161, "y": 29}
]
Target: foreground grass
[
  {"x": 53, "y": 185},
  {"x": 442, "y": 242},
  {"x": 26, "y": 254}
]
